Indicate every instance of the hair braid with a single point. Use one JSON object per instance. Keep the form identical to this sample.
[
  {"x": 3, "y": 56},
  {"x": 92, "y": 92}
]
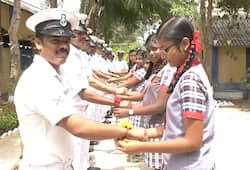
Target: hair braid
[{"x": 182, "y": 69}]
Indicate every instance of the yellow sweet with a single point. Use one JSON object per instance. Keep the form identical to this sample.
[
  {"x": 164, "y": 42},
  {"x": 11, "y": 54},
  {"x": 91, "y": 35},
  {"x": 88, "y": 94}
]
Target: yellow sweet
[{"x": 125, "y": 124}]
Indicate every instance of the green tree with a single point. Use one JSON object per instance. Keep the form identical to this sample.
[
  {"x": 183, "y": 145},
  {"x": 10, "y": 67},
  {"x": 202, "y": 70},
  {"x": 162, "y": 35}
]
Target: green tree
[
  {"x": 186, "y": 8},
  {"x": 116, "y": 20},
  {"x": 231, "y": 10},
  {"x": 204, "y": 22},
  {"x": 104, "y": 16}
]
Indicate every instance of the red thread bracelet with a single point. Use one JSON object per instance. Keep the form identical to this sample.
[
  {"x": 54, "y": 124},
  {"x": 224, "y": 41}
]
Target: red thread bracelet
[{"x": 117, "y": 100}]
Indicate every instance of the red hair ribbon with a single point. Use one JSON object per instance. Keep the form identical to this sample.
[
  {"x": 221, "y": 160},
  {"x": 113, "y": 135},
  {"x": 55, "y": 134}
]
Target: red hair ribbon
[{"x": 196, "y": 42}]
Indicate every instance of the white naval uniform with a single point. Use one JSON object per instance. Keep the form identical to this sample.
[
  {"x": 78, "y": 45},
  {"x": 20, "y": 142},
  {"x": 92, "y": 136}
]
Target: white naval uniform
[
  {"x": 98, "y": 113},
  {"x": 75, "y": 70},
  {"x": 111, "y": 66},
  {"x": 120, "y": 65},
  {"x": 42, "y": 99}
]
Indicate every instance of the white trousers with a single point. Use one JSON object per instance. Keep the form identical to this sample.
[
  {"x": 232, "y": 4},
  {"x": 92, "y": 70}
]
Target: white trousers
[
  {"x": 81, "y": 157},
  {"x": 56, "y": 166}
]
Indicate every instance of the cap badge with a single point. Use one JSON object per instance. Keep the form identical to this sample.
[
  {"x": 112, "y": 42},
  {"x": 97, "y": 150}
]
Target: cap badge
[{"x": 63, "y": 21}]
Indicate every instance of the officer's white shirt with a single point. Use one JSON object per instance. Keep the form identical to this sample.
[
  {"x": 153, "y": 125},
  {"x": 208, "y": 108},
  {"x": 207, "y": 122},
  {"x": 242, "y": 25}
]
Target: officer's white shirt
[
  {"x": 42, "y": 99},
  {"x": 110, "y": 65},
  {"x": 98, "y": 62},
  {"x": 120, "y": 65},
  {"x": 76, "y": 70},
  {"x": 104, "y": 65}
]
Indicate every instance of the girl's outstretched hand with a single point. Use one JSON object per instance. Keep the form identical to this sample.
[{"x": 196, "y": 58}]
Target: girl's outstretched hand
[
  {"x": 120, "y": 112},
  {"x": 137, "y": 134},
  {"x": 129, "y": 146}
]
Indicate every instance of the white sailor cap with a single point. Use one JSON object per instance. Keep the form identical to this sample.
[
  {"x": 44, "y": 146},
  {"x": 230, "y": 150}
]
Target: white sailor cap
[
  {"x": 93, "y": 38},
  {"x": 109, "y": 49},
  {"x": 53, "y": 22},
  {"x": 89, "y": 31},
  {"x": 82, "y": 17},
  {"x": 81, "y": 23},
  {"x": 105, "y": 45}
]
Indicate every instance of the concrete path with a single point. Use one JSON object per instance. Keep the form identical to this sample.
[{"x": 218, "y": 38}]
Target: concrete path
[
  {"x": 231, "y": 146},
  {"x": 9, "y": 151},
  {"x": 232, "y": 140}
]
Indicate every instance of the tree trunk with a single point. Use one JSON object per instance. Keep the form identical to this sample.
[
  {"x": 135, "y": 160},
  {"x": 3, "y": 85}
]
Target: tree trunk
[
  {"x": 209, "y": 41},
  {"x": 206, "y": 36},
  {"x": 92, "y": 14},
  {"x": 15, "y": 65},
  {"x": 53, "y": 3}
]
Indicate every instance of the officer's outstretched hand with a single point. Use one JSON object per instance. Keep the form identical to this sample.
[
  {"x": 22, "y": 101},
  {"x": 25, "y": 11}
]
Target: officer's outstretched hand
[{"x": 15, "y": 166}]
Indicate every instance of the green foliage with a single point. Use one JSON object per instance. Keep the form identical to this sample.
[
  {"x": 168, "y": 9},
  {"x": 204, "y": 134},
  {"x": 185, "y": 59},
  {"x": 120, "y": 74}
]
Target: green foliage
[
  {"x": 231, "y": 5},
  {"x": 184, "y": 8},
  {"x": 126, "y": 47},
  {"x": 124, "y": 17},
  {"x": 8, "y": 118},
  {"x": 232, "y": 8}
]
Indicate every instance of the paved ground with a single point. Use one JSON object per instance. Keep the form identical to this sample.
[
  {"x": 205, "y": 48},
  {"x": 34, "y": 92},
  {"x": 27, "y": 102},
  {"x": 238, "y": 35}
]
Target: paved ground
[
  {"x": 231, "y": 145},
  {"x": 232, "y": 141},
  {"x": 9, "y": 151}
]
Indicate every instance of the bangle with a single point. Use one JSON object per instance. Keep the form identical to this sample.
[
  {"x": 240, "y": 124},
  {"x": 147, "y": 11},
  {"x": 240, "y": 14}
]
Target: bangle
[
  {"x": 130, "y": 112},
  {"x": 117, "y": 100},
  {"x": 145, "y": 136},
  {"x": 21, "y": 157}
]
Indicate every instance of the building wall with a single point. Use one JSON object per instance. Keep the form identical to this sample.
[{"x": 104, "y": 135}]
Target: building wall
[
  {"x": 5, "y": 65},
  {"x": 231, "y": 70},
  {"x": 23, "y": 34},
  {"x": 5, "y": 16}
]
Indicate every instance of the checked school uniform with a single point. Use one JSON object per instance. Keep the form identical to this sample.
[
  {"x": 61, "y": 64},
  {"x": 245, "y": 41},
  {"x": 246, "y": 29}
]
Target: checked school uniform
[
  {"x": 192, "y": 98},
  {"x": 139, "y": 74},
  {"x": 165, "y": 75}
]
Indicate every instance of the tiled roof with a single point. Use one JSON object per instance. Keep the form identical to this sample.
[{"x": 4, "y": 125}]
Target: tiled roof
[{"x": 226, "y": 33}]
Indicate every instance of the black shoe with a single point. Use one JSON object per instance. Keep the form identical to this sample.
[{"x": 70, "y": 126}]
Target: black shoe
[
  {"x": 93, "y": 142},
  {"x": 106, "y": 121},
  {"x": 109, "y": 112},
  {"x": 108, "y": 116},
  {"x": 94, "y": 168},
  {"x": 91, "y": 149}
]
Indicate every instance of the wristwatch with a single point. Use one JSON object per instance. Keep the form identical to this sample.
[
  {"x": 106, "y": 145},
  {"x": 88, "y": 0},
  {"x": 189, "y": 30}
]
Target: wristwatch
[{"x": 130, "y": 112}]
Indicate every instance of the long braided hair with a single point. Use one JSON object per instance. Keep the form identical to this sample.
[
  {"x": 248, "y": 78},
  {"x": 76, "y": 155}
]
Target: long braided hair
[{"x": 175, "y": 30}]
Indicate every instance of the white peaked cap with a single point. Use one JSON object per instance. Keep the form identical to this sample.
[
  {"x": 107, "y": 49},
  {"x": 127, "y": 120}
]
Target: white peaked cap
[
  {"x": 109, "y": 49},
  {"x": 82, "y": 17},
  {"x": 51, "y": 14},
  {"x": 93, "y": 38}
]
